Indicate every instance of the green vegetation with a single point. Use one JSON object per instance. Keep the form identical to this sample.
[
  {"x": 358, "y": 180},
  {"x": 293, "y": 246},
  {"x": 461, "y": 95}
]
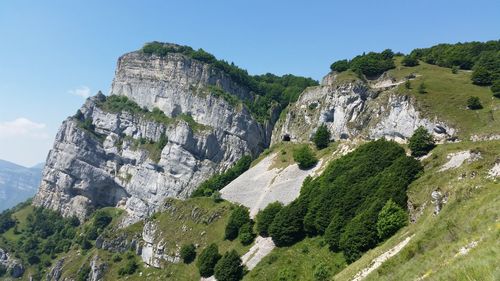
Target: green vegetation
[
  {"x": 153, "y": 148},
  {"x": 446, "y": 97},
  {"x": 304, "y": 157},
  {"x": 229, "y": 267},
  {"x": 322, "y": 137},
  {"x": 306, "y": 260},
  {"x": 117, "y": 104},
  {"x": 195, "y": 126},
  {"x": 482, "y": 58},
  {"x": 421, "y": 142},
  {"x": 188, "y": 253},
  {"x": 409, "y": 61},
  {"x": 390, "y": 219},
  {"x": 468, "y": 218},
  {"x": 344, "y": 202},
  {"x": 6, "y": 220},
  {"x": 218, "y": 181},
  {"x": 246, "y": 234},
  {"x": 270, "y": 91},
  {"x": 208, "y": 259},
  {"x": 474, "y": 103},
  {"x": 421, "y": 88},
  {"x": 370, "y": 65},
  {"x": 239, "y": 217},
  {"x": 266, "y": 216},
  {"x": 495, "y": 89}
]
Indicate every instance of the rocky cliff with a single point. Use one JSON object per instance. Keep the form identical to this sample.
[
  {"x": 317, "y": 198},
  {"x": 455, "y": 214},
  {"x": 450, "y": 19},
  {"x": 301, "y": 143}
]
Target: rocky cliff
[
  {"x": 103, "y": 156},
  {"x": 355, "y": 109}
]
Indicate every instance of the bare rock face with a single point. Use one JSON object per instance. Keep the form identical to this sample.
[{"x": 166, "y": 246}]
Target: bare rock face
[
  {"x": 353, "y": 110},
  {"x": 13, "y": 265},
  {"x": 104, "y": 166}
]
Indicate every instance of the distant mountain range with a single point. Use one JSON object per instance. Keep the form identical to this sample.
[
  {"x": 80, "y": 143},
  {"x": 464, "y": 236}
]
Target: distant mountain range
[{"x": 17, "y": 183}]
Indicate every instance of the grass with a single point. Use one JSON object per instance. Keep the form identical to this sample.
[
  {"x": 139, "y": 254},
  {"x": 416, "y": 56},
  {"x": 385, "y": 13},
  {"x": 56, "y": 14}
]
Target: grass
[
  {"x": 284, "y": 152},
  {"x": 471, "y": 214},
  {"x": 297, "y": 262},
  {"x": 446, "y": 96}
]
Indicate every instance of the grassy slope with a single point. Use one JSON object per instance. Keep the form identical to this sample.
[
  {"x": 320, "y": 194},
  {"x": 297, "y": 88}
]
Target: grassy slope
[
  {"x": 297, "y": 262},
  {"x": 446, "y": 97},
  {"x": 471, "y": 214}
]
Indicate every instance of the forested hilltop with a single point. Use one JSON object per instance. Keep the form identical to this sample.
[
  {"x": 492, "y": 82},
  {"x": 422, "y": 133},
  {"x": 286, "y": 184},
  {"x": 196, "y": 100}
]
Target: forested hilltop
[{"x": 387, "y": 170}]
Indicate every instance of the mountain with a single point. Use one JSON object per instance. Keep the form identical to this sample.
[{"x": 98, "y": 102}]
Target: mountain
[
  {"x": 17, "y": 183},
  {"x": 190, "y": 163}
]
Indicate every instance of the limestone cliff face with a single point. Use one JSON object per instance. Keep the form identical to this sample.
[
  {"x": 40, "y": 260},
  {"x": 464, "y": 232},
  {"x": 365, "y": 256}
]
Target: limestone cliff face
[
  {"x": 353, "y": 110},
  {"x": 104, "y": 166}
]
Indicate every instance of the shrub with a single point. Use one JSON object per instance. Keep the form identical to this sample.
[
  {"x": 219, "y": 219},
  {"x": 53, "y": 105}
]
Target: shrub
[
  {"x": 116, "y": 257},
  {"x": 481, "y": 76},
  {"x": 408, "y": 84},
  {"x": 129, "y": 268},
  {"x": 246, "y": 234},
  {"x": 454, "y": 69},
  {"x": 188, "y": 253},
  {"x": 359, "y": 235},
  {"x": 229, "y": 267},
  {"x": 266, "y": 216},
  {"x": 239, "y": 216},
  {"x": 6, "y": 221},
  {"x": 287, "y": 227},
  {"x": 422, "y": 89},
  {"x": 340, "y": 66},
  {"x": 373, "y": 64},
  {"x": 83, "y": 273},
  {"x": 322, "y": 272},
  {"x": 102, "y": 219},
  {"x": 409, "y": 61},
  {"x": 421, "y": 142},
  {"x": 304, "y": 157},
  {"x": 390, "y": 219},
  {"x": 207, "y": 260},
  {"x": 3, "y": 270},
  {"x": 321, "y": 137},
  {"x": 495, "y": 88},
  {"x": 474, "y": 103}
]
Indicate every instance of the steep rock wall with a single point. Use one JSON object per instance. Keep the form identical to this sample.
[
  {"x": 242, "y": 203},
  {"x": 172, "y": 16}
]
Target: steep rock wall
[{"x": 87, "y": 169}]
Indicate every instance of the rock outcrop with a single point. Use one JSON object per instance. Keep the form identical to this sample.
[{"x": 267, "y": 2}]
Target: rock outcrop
[
  {"x": 101, "y": 164},
  {"x": 13, "y": 265},
  {"x": 353, "y": 110}
]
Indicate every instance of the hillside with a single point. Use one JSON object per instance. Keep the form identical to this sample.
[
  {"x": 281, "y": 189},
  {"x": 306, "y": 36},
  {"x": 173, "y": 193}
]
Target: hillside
[{"x": 150, "y": 183}]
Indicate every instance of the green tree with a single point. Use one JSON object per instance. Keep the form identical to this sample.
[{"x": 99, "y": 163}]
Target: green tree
[
  {"x": 495, "y": 88},
  {"x": 304, "y": 157},
  {"x": 454, "y": 69},
  {"x": 266, "y": 216},
  {"x": 188, "y": 253},
  {"x": 421, "y": 142},
  {"x": 229, "y": 267},
  {"x": 474, "y": 103},
  {"x": 239, "y": 216},
  {"x": 390, "y": 219},
  {"x": 207, "y": 260},
  {"x": 481, "y": 76},
  {"x": 246, "y": 234},
  {"x": 340, "y": 66},
  {"x": 288, "y": 225},
  {"x": 408, "y": 84},
  {"x": 321, "y": 137},
  {"x": 409, "y": 61}
]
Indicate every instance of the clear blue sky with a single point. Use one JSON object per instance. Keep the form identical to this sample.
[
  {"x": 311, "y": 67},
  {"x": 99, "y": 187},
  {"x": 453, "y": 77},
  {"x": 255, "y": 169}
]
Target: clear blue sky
[{"x": 53, "y": 51}]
